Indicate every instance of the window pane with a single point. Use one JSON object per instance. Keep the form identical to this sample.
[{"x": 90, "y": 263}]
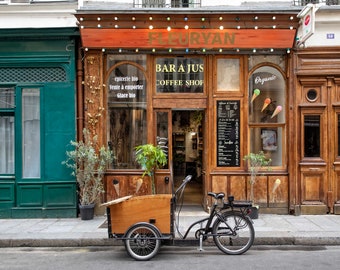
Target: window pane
[
  {"x": 267, "y": 96},
  {"x": 127, "y": 130},
  {"x": 269, "y": 141},
  {"x": 162, "y": 132},
  {"x": 228, "y": 74},
  {"x": 7, "y": 98},
  {"x": 179, "y": 75},
  {"x": 31, "y": 133},
  {"x": 126, "y": 113},
  {"x": 7, "y": 144},
  {"x": 312, "y": 135}
]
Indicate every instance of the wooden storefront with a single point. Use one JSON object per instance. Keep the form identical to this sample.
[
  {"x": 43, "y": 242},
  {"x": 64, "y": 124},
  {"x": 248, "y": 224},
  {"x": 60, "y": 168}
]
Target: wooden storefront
[
  {"x": 316, "y": 105},
  {"x": 185, "y": 80}
]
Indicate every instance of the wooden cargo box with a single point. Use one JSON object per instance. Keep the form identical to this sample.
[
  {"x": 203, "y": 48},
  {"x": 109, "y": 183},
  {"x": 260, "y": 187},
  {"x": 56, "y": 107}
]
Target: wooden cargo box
[{"x": 154, "y": 209}]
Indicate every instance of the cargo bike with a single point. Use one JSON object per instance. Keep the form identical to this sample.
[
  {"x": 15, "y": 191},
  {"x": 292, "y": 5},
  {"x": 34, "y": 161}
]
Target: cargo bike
[{"x": 143, "y": 223}]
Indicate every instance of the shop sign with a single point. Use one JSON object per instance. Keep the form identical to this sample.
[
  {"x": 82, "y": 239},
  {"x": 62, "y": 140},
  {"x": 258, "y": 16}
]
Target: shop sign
[
  {"x": 191, "y": 38},
  {"x": 179, "y": 75}
]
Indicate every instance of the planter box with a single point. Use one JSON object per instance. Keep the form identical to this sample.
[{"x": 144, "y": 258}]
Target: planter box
[{"x": 154, "y": 209}]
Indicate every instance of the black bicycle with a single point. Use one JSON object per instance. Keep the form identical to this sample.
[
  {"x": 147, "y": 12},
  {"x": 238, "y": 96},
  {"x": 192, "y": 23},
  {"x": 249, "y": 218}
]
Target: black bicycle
[{"x": 228, "y": 224}]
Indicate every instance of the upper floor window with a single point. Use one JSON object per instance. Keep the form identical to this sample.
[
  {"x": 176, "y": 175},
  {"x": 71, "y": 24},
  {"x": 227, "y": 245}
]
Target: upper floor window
[{"x": 306, "y": 2}]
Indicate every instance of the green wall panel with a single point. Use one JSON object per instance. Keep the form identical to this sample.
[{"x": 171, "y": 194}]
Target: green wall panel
[
  {"x": 62, "y": 195},
  {"x": 7, "y": 193},
  {"x": 30, "y": 195}
]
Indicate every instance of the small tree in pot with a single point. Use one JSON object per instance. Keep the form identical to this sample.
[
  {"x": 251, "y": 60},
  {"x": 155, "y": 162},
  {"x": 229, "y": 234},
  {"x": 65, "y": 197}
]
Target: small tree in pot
[
  {"x": 256, "y": 161},
  {"x": 150, "y": 158},
  {"x": 88, "y": 166}
]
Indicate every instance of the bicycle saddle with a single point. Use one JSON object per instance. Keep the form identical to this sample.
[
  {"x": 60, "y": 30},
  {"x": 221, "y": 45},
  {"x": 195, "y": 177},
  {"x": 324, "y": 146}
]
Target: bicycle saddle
[{"x": 216, "y": 195}]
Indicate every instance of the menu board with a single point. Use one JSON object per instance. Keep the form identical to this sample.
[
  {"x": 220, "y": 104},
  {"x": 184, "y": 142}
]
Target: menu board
[{"x": 228, "y": 133}]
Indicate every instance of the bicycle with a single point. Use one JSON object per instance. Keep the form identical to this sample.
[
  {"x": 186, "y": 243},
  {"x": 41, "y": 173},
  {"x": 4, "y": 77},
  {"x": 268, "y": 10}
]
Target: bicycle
[{"x": 228, "y": 224}]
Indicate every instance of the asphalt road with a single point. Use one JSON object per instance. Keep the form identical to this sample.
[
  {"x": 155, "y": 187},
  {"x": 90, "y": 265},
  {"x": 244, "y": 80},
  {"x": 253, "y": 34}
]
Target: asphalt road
[{"x": 171, "y": 258}]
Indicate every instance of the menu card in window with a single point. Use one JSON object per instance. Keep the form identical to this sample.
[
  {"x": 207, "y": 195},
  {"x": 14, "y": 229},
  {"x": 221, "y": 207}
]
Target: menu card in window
[{"x": 228, "y": 133}]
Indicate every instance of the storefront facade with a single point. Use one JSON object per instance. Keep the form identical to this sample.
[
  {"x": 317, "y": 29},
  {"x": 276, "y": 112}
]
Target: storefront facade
[
  {"x": 37, "y": 122},
  {"x": 186, "y": 80},
  {"x": 315, "y": 113}
]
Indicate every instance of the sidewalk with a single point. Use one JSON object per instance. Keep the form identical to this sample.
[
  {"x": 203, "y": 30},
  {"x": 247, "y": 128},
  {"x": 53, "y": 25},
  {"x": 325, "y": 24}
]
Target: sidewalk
[{"x": 73, "y": 232}]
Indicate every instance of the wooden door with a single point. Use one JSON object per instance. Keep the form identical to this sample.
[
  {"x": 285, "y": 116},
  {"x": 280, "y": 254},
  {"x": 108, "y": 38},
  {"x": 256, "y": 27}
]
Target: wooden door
[{"x": 319, "y": 157}]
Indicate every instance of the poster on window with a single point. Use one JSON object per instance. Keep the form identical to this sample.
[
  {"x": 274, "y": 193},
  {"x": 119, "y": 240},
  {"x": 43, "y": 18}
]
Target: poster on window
[{"x": 269, "y": 140}]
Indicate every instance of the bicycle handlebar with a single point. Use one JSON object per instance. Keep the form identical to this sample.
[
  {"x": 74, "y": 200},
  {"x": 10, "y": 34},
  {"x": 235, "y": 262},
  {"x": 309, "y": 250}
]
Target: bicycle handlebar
[{"x": 186, "y": 180}]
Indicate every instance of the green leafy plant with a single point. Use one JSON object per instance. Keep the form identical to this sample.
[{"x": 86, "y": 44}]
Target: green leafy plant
[
  {"x": 88, "y": 166},
  {"x": 256, "y": 161},
  {"x": 150, "y": 158}
]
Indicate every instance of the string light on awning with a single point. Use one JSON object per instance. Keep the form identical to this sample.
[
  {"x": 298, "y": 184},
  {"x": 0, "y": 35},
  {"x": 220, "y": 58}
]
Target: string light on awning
[
  {"x": 186, "y": 27},
  {"x": 221, "y": 27},
  {"x": 168, "y": 28}
]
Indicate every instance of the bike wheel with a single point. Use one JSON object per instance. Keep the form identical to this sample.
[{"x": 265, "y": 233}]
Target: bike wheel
[
  {"x": 233, "y": 233},
  {"x": 142, "y": 241}
]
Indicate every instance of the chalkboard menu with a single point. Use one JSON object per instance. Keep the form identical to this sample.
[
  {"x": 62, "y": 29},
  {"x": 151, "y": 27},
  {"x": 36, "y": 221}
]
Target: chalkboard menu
[{"x": 228, "y": 133}]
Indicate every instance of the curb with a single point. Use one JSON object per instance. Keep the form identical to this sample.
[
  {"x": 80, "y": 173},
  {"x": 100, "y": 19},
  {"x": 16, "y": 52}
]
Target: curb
[{"x": 86, "y": 242}]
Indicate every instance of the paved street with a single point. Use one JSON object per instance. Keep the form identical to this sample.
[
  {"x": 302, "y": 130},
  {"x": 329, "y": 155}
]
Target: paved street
[{"x": 169, "y": 258}]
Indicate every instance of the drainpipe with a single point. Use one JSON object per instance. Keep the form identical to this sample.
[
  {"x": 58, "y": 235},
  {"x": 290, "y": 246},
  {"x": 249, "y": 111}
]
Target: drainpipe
[{"x": 80, "y": 96}]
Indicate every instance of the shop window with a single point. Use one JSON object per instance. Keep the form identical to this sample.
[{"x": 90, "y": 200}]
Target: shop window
[
  {"x": 162, "y": 133},
  {"x": 7, "y": 106},
  {"x": 228, "y": 74},
  {"x": 179, "y": 75},
  {"x": 127, "y": 125},
  {"x": 267, "y": 95},
  {"x": 312, "y": 136}
]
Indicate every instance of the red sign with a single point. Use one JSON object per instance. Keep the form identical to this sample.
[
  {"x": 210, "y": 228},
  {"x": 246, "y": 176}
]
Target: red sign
[{"x": 191, "y": 38}]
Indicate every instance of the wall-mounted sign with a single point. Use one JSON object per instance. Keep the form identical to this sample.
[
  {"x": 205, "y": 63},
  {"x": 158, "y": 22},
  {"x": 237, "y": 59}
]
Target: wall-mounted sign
[
  {"x": 191, "y": 38},
  {"x": 307, "y": 26},
  {"x": 228, "y": 133}
]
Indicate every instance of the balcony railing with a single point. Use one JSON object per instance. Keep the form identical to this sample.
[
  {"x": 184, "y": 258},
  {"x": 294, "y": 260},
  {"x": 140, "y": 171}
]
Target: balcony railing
[
  {"x": 305, "y": 2},
  {"x": 166, "y": 3}
]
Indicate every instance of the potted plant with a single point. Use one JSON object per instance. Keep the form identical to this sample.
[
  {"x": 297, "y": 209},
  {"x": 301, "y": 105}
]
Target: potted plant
[
  {"x": 150, "y": 158},
  {"x": 256, "y": 161},
  {"x": 88, "y": 164}
]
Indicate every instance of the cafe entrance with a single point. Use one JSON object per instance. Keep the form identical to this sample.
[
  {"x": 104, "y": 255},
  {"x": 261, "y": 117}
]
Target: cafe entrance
[
  {"x": 180, "y": 135},
  {"x": 187, "y": 149}
]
